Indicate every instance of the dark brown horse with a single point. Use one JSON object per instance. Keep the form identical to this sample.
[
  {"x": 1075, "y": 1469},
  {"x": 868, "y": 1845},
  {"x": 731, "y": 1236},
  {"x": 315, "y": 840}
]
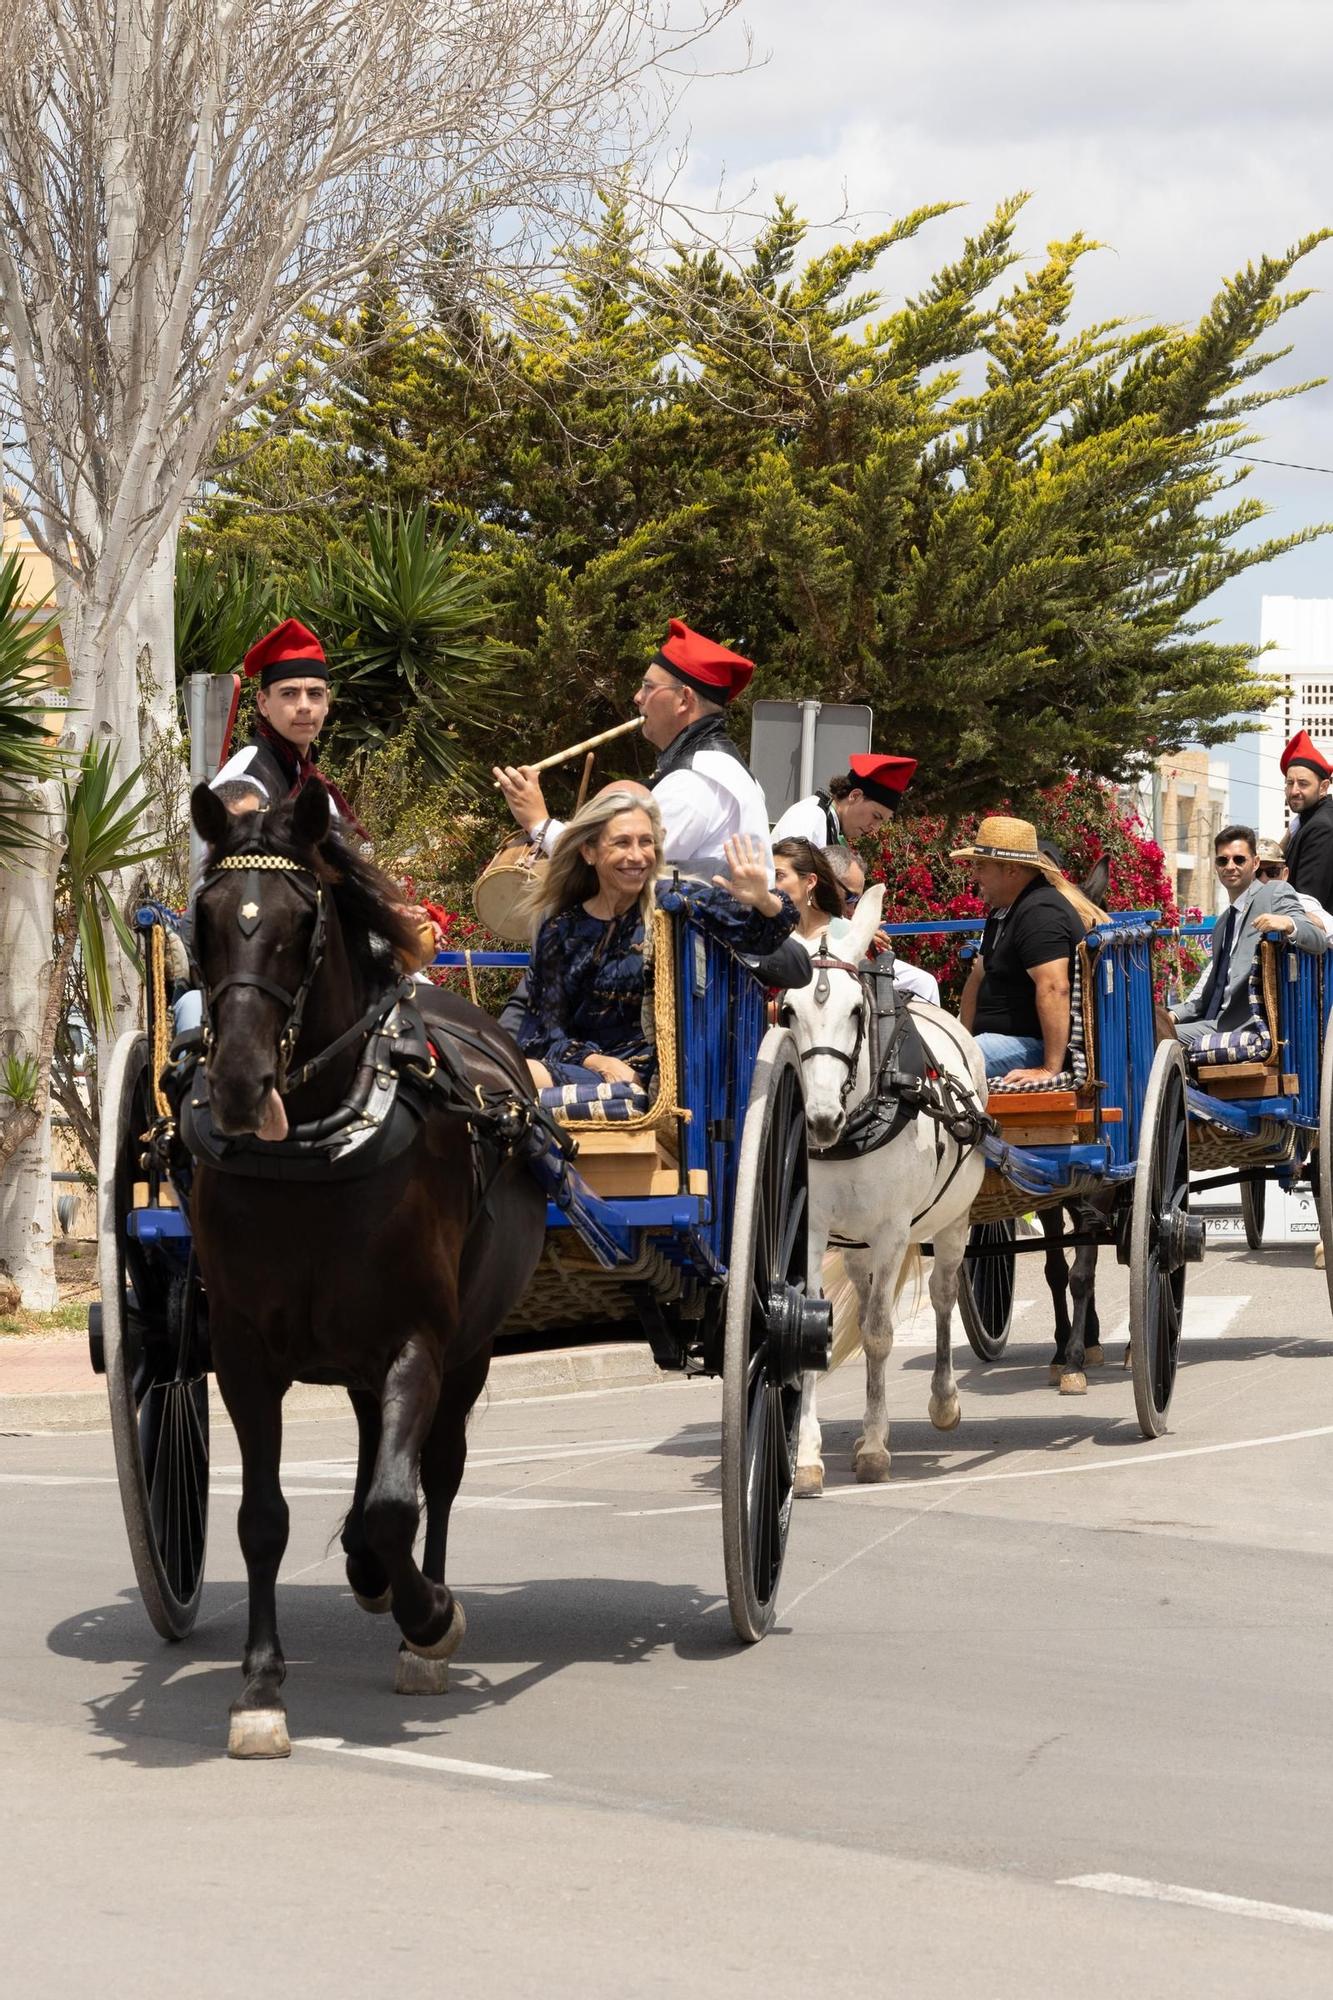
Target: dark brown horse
[{"x": 392, "y": 1282}]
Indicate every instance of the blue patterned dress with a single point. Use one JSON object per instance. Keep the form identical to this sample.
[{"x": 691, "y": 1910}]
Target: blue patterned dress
[{"x": 586, "y": 994}]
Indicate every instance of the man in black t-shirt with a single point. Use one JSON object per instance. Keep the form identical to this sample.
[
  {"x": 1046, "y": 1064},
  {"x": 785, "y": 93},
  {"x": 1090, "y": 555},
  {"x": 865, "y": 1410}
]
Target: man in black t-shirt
[{"x": 1017, "y": 997}]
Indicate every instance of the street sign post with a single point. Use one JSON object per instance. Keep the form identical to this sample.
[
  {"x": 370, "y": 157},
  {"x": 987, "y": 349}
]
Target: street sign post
[{"x": 797, "y": 746}]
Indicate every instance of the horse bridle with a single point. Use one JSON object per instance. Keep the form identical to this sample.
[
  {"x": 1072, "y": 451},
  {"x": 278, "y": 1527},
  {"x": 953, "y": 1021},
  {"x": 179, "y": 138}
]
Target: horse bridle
[
  {"x": 824, "y": 962},
  {"x": 249, "y": 916}
]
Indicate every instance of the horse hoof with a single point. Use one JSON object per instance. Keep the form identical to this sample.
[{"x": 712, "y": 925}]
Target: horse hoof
[
  {"x": 1074, "y": 1384},
  {"x": 946, "y": 1416},
  {"x": 425, "y": 1669},
  {"x": 809, "y": 1482},
  {"x": 258, "y": 1732},
  {"x": 1057, "y": 1370},
  {"x": 870, "y": 1465},
  {"x": 376, "y": 1606},
  {"x": 1093, "y": 1357}
]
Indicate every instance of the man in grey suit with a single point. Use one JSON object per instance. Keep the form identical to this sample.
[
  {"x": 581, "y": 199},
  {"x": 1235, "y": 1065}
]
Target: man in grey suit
[{"x": 1221, "y": 998}]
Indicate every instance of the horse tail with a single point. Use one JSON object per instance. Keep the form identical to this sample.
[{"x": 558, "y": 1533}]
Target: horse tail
[{"x": 839, "y": 1289}]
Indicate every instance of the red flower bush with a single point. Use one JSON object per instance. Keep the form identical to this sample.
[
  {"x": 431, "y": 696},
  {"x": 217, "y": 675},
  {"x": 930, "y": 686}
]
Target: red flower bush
[{"x": 1082, "y": 816}]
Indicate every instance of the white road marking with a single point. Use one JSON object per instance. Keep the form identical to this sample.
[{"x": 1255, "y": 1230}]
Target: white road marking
[
  {"x": 1205, "y": 1318},
  {"x": 1151, "y": 1456},
  {"x": 693, "y": 1507},
  {"x": 421, "y": 1760},
  {"x": 1202, "y": 1899},
  {"x": 478, "y": 1455},
  {"x": 58, "y": 1478},
  {"x": 231, "y": 1490}
]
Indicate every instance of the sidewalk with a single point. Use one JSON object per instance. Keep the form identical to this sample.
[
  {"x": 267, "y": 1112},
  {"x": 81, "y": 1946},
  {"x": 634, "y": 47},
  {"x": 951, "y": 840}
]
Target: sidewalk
[{"x": 47, "y": 1382}]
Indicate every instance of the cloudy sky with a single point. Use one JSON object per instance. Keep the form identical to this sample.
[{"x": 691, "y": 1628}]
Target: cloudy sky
[{"x": 1188, "y": 136}]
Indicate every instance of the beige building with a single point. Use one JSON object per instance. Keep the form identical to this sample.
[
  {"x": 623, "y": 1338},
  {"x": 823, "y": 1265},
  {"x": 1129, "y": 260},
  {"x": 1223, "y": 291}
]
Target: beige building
[
  {"x": 1193, "y": 793},
  {"x": 37, "y": 595}
]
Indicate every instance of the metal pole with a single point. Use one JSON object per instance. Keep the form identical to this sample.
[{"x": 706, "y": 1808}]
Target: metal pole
[
  {"x": 806, "y": 778},
  {"x": 196, "y": 698}
]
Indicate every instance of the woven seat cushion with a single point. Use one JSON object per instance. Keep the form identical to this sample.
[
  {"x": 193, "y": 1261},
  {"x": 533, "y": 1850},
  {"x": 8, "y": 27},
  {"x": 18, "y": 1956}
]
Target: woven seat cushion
[
  {"x": 1066, "y": 1080},
  {"x": 596, "y": 1103}
]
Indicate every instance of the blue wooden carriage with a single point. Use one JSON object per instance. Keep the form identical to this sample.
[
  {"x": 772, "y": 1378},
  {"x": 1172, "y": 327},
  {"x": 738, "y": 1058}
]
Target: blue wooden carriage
[
  {"x": 1111, "y": 1133},
  {"x": 1260, "y": 1097},
  {"x": 685, "y": 1220}
]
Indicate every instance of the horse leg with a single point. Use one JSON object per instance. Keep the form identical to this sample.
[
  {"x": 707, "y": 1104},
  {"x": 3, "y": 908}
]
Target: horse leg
[
  {"x": 445, "y": 1454},
  {"x": 870, "y": 1453},
  {"x": 1073, "y": 1380},
  {"x": 425, "y": 1612},
  {"x": 258, "y": 1718},
  {"x": 945, "y": 1271},
  {"x": 366, "y": 1574},
  {"x": 809, "y": 1481},
  {"x": 1052, "y": 1222}
]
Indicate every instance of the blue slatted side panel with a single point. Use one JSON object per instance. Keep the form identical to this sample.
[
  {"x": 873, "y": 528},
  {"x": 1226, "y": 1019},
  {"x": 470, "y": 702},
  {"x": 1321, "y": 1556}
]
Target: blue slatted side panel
[{"x": 1301, "y": 983}]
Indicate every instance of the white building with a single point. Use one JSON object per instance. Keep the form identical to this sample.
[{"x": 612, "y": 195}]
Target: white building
[{"x": 1300, "y": 631}]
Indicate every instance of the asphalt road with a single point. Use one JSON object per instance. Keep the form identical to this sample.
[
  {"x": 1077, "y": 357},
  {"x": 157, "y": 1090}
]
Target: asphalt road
[{"x": 1047, "y": 1651}]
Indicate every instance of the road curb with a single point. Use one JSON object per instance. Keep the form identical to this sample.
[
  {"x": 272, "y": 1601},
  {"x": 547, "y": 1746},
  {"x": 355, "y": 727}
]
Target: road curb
[{"x": 563, "y": 1371}]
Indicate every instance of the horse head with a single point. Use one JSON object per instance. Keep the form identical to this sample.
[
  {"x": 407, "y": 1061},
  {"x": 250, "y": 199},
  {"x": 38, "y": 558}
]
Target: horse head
[
  {"x": 828, "y": 1020},
  {"x": 259, "y": 926}
]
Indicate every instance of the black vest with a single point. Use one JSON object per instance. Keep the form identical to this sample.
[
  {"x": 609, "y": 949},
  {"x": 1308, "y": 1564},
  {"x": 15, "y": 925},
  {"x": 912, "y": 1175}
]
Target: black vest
[{"x": 708, "y": 733}]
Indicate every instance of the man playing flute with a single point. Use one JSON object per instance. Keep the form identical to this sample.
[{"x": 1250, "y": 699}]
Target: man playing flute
[{"x": 702, "y": 786}]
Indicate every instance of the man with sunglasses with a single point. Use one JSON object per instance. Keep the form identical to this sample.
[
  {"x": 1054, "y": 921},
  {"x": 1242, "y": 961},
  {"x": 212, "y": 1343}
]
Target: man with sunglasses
[
  {"x": 1221, "y": 998},
  {"x": 1309, "y": 846}
]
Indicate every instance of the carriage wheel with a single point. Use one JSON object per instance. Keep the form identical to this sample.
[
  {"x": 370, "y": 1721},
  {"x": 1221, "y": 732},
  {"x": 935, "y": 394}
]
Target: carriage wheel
[
  {"x": 1163, "y": 1239},
  {"x": 155, "y": 1366},
  {"x": 1321, "y": 1166},
  {"x": 1252, "y": 1205},
  {"x": 772, "y": 1334},
  {"x": 986, "y": 1293}
]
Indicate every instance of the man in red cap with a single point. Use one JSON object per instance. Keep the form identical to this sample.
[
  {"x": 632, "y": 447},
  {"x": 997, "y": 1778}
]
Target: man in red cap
[
  {"x": 1310, "y": 838},
  {"x": 293, "y": 703},
  {"x": 857, "y": 804},
  {"x": 703, "y": 787}
]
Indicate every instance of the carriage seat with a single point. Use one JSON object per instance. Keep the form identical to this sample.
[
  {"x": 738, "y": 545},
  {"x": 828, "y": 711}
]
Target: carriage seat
[{"x": 603, "y": 1103}]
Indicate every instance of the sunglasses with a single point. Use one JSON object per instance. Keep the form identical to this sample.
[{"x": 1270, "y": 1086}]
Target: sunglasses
[
  {"x": 1231, "y": 860},
  {"x": 1271, "y": 871}
]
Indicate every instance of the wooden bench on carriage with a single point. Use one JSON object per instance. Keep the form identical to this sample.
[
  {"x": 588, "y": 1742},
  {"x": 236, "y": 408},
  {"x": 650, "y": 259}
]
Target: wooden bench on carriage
[
  {"x": 1260, "y": 1097},
  {"x": 687, "y": 1220},
  {"x": 1112, "y": 1134}
]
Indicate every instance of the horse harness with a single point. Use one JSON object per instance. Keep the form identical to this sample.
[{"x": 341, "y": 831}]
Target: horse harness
[
  {"x": 404, "y": 1072},
  {"x": 904, "y": 1081}
]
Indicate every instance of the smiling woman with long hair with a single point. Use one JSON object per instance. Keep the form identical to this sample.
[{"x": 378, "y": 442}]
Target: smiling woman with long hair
[{"x": 588, "y": 1009}]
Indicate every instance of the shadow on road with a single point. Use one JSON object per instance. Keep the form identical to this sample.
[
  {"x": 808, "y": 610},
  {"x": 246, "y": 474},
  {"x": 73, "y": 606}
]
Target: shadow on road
[{"x": 169, "y": 1705}]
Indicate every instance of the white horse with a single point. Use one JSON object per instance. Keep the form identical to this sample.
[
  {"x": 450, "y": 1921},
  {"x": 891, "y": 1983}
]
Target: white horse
[{"x": 917, "y": 1188}]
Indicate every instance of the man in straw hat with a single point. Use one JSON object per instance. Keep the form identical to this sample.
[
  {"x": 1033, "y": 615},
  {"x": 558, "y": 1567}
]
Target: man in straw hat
[
  {"x": 702, "y": 786},
  {"x": 1307, "y": 772},
  {"x": 1273, "y": 867},
  {"x": 1016, "y": 1001}
]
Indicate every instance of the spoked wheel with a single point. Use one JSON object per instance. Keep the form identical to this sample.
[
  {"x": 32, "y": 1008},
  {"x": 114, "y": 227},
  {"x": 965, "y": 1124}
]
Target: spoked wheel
[
  {"x": 1164, "y": 1237},
  {"x": 772, "y": 1334},
  {"x": 1321, "y": 1166},
  {"x": 156, "y": 1362},
  {"x": 1252, "y": 1205},
  {"x": 986, "y": 1290}
]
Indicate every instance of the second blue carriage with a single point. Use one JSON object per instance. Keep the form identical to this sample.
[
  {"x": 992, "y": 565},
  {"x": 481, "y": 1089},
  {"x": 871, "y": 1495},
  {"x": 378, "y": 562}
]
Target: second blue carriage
[{"x": 1112, "y": 1136}]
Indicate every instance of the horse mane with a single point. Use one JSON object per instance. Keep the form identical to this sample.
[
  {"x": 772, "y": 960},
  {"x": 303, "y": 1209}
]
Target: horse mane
[{"x": 370, "y": 913}]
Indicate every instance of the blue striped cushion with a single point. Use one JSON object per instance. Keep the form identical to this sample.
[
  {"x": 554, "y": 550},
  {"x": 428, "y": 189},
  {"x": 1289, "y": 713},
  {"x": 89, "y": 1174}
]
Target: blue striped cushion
[
  {"x": 596, "y": 1103},
  {"x": 1250, "y": 1042}
]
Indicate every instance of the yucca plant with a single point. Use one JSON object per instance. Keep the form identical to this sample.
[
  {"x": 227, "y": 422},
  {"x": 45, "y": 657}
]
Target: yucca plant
[
  {"x": 101, "y": 821},
  {"x": 27, "y": 756},
  {"x": 101, "y": 825},
  {"x": 222, "y": 607},
  {"x": 405, "y": 622}
]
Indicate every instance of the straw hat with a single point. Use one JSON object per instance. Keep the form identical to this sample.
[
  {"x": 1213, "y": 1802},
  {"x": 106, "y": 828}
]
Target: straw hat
[{"x": 1013, "y": 840}]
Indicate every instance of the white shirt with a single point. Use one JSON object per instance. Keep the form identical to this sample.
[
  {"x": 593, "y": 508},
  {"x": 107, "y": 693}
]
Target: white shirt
[
  {"x": 805, "y": 821},
  {"x": 1317, "y": 911},
  {"x": 701, "y": 809}
]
